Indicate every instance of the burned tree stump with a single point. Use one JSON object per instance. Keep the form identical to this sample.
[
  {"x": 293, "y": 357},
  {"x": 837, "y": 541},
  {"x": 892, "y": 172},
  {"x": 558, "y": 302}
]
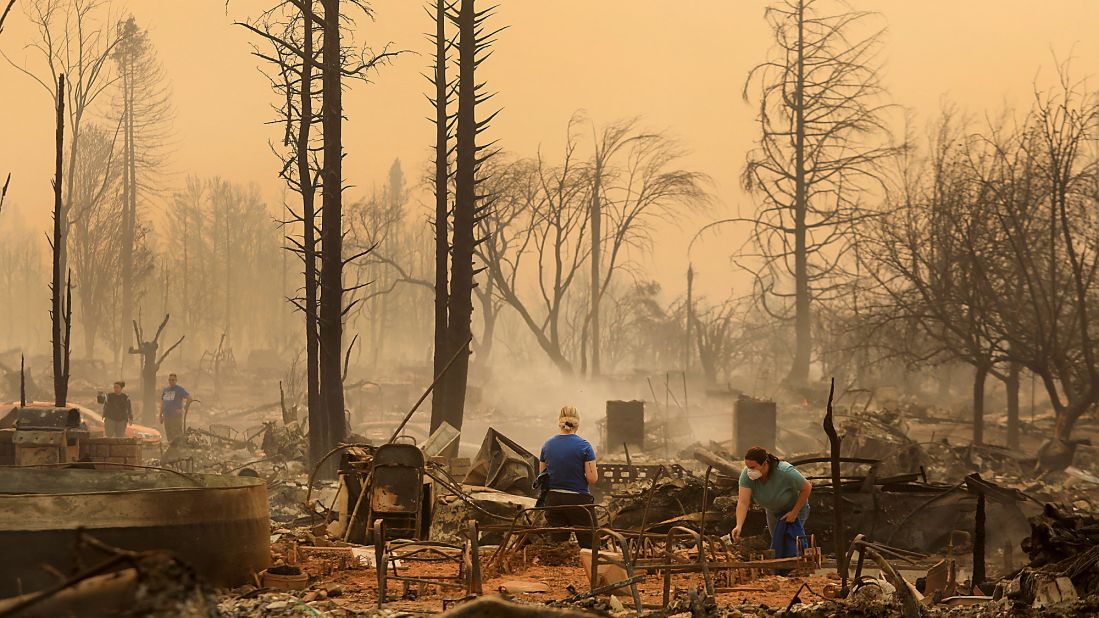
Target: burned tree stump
[
  {"x": 837, "y": 496},
  {"x": 150, "y": 364}
]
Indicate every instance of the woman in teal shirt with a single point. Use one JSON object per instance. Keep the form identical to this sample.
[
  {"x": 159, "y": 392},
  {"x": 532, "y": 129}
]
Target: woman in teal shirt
[{"x": 775, "y": 485}]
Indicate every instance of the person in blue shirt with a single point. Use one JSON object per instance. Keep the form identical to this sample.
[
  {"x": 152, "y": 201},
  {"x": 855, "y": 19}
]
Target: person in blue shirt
[
  {"x": 775, "y": 485},
  {"x": 570, "y": 462},
  {"x": 172, "y": 400}
]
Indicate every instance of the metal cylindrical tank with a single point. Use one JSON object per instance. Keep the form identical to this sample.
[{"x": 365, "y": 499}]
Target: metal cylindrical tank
[{"x": 217, "y": 524}]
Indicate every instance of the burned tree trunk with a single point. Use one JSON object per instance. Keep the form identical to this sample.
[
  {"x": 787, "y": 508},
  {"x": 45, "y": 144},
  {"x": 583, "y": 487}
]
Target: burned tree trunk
[
  {"x": 821, "y": 128},
  {"x": 150, "y": 365},
  {"x": 837, "y": 497},
  {"x": 4, "y": 15},
  {"x": 57, "y": 309},
  {"x": 129, "y": 196},
  {"x": 596, "y": 261},
  {"x": 315, "y": 407},
  {"x": 330, "y": 323},
  {"x": 465, "y": 198},
  {"x": 799, "y": 372},
  {"x": 442, "y": 215},
  {"x": 468, "y": 205}
]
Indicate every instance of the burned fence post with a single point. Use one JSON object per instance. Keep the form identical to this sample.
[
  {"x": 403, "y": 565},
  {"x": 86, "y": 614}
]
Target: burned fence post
[
  {"x": 979, "y": 542},
  {"x": 983, "y": 489},
  {"x": 837, "y": 497}
]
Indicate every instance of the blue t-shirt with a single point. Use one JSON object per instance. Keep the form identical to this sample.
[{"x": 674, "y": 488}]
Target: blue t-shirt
[
  {"x": 779, "y": 494},
  {"x": 565, "y": 456},
  {"x": 173, "y": 397}
]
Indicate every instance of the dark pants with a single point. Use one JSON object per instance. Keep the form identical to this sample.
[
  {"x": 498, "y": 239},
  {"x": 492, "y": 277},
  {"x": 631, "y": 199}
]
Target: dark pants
[
  {"x": 173, "y": 426},
  {"x": 577, "y": 517},
  {"x": 114, "y": 428}
]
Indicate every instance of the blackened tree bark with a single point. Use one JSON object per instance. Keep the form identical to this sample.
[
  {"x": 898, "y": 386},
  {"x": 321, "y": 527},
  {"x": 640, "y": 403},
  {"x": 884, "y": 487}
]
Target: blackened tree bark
[
  {"x": 4, "y": 15},
  {"x": 330, "y": 323},
  {"x": 469, "y": 206},
  {"x": 57, "y": 307},
  {"x": 150, "y": 365},
  {"x": 298, "y": 67},
  {"x": 125, "y": 58},
  {"x": 442, "y": 351},
  {"x": 465, "y": 204},
  {"x": 308, "y": 188},
  {"x": 292, "y": 29}
]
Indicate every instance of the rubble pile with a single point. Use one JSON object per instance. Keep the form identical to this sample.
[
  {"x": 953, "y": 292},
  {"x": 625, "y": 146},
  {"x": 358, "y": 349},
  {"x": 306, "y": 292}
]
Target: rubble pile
[
  {"x": 884, "y": 436},
  {"x": 668, "y": 499},
  {"x": 152, "y": 584},
  {"x": 1064, "y": 559}
]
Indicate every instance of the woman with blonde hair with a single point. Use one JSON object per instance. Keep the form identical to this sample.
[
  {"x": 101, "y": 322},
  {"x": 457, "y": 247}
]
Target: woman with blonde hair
[{"x": 570, "y": 462}]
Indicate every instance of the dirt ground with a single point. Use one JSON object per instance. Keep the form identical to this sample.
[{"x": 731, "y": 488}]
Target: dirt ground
[{"x": 358, "y": 587}]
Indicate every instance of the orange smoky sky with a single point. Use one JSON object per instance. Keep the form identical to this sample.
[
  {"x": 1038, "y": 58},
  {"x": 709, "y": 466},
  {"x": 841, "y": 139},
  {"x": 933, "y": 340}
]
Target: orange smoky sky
[{"x": 680, "y": 65}]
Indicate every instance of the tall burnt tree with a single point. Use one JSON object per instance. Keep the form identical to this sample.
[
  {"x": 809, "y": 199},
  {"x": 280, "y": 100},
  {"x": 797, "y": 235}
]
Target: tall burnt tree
[
  {"x": 70, "y": 43},
  {"x": 295, "y": 58},
  {"x": 613, "y": 137},
  {"x": 305, "y": 72},
  {"x": 143, "y": 109},
  {"x": 331, "y": 312},
  {"x": 820, "y": 120},
  {"x": 469, "y": 205},
  {"x": 60, "y": 308},
  {"x": 440, "y": 102}
]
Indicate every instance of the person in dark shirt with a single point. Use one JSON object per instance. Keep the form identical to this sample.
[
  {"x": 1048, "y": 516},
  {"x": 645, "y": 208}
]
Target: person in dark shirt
[
  {"x": 570, "y": 462},
  {"x": 117, "y": 412}
]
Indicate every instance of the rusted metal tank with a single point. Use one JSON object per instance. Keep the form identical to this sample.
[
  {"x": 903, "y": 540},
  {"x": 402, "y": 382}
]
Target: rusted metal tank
[{"x": 218, "y": 524}]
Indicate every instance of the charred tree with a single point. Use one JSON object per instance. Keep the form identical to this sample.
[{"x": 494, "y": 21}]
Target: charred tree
[
  {"x": 73, "y": 45},
  {"x": 330, "y": 322},
  {"x": 4, "y": 15},
  {"x": 60, "y": 312},
  {"x": 469, "y": 205},
  {"x": 150, "y": 365},
  {"x": 442, "y": 210},
  {"x": 142, "y": 104},
  {"x": 4, "y": 191},
  {"x": 293, "y": 29},
  {"x": 838, "y": 530},
  {"x": 303, "y": 75},
  {"x": 125, "y": 56},
  {"x": 818, "y": 114},
  {"x": 307, "y": 186}
]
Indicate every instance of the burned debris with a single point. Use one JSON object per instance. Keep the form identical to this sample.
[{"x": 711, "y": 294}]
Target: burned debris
[
  {"x": 404, "y": 528},
  {"x": 478, "y": 385}
]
